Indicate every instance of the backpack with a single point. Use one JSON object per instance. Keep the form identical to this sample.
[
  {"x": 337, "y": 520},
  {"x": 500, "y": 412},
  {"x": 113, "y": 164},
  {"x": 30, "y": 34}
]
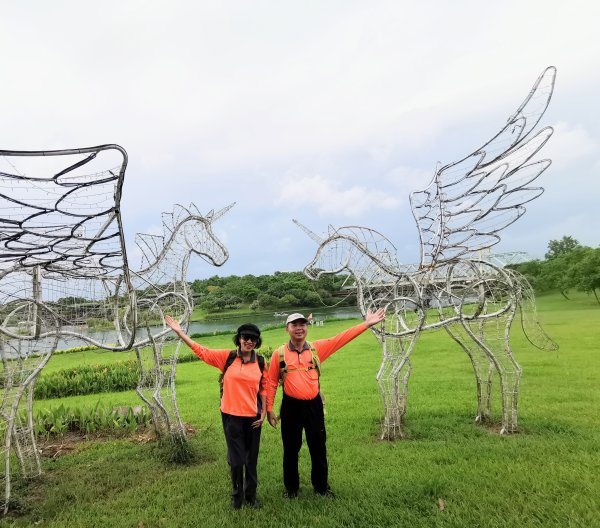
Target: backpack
[
  {"x": 230, "y": 359},
  {"x": 315, "y": 364},
  {"x": 283, "y": 370}
]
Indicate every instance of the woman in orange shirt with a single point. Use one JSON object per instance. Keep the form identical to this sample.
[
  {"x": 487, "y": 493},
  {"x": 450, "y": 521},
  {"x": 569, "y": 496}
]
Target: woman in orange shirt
[{"x": 243, "y": 404}]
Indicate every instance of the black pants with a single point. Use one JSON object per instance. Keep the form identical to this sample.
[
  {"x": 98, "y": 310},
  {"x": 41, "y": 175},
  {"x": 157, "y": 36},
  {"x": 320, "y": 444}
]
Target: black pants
[
  {"x": 295, "y": 416},
  {"x": 243, "y": 442}
]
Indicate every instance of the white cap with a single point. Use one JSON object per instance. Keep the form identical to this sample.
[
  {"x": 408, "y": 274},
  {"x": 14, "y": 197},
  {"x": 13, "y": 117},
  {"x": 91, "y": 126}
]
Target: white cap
[{"x": 295, "y": 317}]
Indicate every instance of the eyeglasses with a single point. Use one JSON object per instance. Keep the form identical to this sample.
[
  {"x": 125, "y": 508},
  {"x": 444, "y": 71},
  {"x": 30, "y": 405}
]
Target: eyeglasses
[{"x": 249, "y": 337}]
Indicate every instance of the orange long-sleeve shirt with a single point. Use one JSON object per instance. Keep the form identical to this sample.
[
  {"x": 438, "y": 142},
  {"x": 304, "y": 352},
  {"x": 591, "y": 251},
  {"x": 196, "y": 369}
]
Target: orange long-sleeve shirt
[
  {"x": 241, "y": 383},
  {"x": 304, "y": 384}
]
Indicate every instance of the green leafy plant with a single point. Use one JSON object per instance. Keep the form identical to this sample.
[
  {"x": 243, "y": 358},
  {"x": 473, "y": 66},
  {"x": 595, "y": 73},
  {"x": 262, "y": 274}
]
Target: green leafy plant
[{"x": 98, "y": 419}]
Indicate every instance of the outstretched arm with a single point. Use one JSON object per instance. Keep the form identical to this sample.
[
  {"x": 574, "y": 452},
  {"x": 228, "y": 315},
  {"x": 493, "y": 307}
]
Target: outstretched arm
[
  {"x": 326, "y": 347},
  {"x": 176, "y": 327},
  {"x": 372, "y": 318}
]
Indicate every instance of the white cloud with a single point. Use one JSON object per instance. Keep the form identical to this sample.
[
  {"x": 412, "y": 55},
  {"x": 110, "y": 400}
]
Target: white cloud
[
  {"x": 570, "y": 143},
  {"x": 215, "y": 101},
  {"x": 330, "y": 198}
]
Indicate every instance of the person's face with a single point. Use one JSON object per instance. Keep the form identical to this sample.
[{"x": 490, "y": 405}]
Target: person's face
[
  {"x": 247, "y": 342},
  {"x": 297, "y": 330}
]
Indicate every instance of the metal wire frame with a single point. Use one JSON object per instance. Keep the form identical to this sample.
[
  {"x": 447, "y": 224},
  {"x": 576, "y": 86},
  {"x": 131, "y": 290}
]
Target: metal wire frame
[
  {"x": 64, "y": 268},
  {"x": 162, "y": 289},
  {"x": 60, "y": 232},
  {"x": 460, "y": 214}
]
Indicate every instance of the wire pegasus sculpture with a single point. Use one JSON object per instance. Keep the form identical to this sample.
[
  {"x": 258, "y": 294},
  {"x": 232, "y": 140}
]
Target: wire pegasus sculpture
[
  {"x": 65, "y": 280},
  {"x": 459, "y": 215}
]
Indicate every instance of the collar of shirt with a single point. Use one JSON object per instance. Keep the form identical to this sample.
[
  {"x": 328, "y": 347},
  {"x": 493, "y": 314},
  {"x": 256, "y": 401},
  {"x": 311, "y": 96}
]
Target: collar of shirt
[
  {"x": 252, "y": 356},
  {"x": 294, "y": 349}
]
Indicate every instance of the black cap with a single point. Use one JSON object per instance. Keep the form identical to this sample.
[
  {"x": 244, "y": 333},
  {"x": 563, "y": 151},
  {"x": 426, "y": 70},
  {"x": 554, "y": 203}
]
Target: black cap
[{"x": 250, "y": 329}]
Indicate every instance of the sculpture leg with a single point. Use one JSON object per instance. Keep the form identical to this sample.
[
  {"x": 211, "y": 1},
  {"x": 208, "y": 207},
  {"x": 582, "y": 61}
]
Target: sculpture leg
[
  {"x": 7, "y": 440},
  {"x": 393, "y": 378},
  {"x": 512, "y": 376},
  {"x": 391, "y": 427},
  {"x": 177, "y": 423},
  {"x": 146, "y": 390},
  {"x": 483, "y": 367},
  {"x": 493, "y": 337}
]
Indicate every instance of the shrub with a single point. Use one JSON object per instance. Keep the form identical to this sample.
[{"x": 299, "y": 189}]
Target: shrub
[
  {"x": 114, "y": 377},
  {"x": 99, "y": 419}
]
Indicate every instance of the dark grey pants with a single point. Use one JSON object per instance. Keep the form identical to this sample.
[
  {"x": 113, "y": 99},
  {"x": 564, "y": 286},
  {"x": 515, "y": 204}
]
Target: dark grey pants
[
  {"x": 243, "y": 442},
  {"x": 297, "y": 415}
]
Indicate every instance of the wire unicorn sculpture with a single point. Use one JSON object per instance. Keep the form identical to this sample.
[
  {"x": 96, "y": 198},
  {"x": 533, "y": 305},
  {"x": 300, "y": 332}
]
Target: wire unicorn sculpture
[
  {"x": 162, "y": 288},
  {"x": 65, "y": 278},
  {"x": 459, "y": 215}
]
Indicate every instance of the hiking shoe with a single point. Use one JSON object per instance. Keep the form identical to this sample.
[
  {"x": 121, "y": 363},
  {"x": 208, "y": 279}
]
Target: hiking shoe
[
  {"x": 327, "y": 493},
  {"x": 290, "y": 494},
  {"x": 253, "y": 503}
]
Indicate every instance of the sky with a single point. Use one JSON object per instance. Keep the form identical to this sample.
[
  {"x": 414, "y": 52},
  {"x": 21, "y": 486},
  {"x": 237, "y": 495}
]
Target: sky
[{"x": 329, "y": 112}]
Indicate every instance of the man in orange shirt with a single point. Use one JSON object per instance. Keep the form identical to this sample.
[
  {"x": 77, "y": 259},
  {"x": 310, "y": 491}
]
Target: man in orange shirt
[{"x": 302, "y": 406}]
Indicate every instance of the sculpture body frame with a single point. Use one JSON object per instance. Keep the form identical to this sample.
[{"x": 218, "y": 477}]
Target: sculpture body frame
[
  {"x": 63, "y": 264},
  {"x": 460, "y": 214}
]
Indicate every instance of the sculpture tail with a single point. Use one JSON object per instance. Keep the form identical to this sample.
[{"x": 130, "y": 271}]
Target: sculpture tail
[{"x": 532, "y": 328}]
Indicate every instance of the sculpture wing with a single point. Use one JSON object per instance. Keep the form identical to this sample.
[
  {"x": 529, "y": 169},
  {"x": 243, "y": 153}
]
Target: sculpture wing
[
  {"x": 59, "y": 211},
  {"x": 469, "y": 202},
  {"x": 63, "y": 265}
]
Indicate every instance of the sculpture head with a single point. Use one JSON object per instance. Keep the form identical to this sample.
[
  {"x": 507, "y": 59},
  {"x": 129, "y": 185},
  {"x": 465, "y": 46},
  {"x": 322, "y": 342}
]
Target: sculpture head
[
  {"x": 200, "y": 238},
  {"x": 352, "y": 248},
  {"x": 332, "y": 256}
]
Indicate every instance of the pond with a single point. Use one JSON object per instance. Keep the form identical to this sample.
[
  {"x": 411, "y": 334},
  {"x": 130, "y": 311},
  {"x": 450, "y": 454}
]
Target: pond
[
  {"x": 211, "y": 326},
  {"x": 270, "y": 320}
]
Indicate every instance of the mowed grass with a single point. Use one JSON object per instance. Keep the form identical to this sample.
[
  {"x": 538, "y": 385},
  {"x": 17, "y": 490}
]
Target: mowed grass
[{"x": 450, "y": 472}]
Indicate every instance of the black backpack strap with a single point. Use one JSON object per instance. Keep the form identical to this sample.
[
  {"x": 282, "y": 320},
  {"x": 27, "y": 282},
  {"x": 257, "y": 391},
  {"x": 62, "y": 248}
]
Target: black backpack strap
[
  {"x": 261, "y": 366},
  {"x": 230, "y": 360}
]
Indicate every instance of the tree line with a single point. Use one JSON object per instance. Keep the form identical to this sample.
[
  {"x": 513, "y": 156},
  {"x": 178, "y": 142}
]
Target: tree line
[
  {"x": 566, "y": 266},
  {"x": 279, "y": 290}
]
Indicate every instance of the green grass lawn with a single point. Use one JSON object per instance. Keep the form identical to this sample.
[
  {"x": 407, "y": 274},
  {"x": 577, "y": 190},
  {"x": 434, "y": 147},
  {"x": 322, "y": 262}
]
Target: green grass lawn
[{"x": 547, "y": 475}]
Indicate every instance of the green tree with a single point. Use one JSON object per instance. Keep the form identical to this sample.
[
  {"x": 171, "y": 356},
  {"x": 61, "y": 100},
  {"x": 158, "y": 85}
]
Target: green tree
[
  {"x": 288, "y": 300},
  {"x": 556, "y": 248},
  {"x": 265, "y": 300},
  {"x": 585, "y": 273}
]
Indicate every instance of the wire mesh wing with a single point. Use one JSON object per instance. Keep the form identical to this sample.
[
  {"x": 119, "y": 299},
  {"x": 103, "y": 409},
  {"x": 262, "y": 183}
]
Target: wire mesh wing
[
  {"x": 469, "y": 202},
  {"x": 63, "y": 265},
  {"x": 62, "y": 216}
]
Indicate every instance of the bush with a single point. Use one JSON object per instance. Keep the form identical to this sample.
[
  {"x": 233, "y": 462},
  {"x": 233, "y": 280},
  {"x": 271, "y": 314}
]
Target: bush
[
  {"x": 114, "y": 377},
  {"x": 57, "y": 422}
]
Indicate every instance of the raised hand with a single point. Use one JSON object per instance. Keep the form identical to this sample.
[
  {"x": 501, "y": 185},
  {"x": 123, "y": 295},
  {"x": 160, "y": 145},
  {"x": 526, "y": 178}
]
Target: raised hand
[
  {"x": 173, "y": 324},
  {"x": 372, "y": 318}
]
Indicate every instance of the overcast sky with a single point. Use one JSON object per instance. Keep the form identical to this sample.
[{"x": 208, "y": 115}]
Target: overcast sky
[{"x": 330, "y": 112}]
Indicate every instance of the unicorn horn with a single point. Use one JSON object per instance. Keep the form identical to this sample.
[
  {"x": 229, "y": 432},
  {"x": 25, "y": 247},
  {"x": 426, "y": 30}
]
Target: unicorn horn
[
  {"x": 310, "y": 233},
  {"x": 212, "y": 216}
]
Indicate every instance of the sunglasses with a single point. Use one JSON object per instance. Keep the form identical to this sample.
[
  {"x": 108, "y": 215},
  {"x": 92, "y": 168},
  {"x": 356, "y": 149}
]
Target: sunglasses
[{"x": 249, "y": 337}]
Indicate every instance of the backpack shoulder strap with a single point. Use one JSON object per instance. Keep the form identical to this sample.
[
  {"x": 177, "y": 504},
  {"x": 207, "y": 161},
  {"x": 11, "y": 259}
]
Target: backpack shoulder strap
[
  {"x": 230, "y": 360},
  {"x": 282, "y": 364},
  {"x": 315, "y": 358},
  {"x": 281, "y": 357},
  {"x": 261, "y": 362}
]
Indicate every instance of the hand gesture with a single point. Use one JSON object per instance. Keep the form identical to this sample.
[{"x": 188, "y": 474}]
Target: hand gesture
[
  {"x": 257, "y": 423},
  {"x": 173, "y": 324},
  {"x": 273, "y": 418},
  {"x": 372, "y": 318}
]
